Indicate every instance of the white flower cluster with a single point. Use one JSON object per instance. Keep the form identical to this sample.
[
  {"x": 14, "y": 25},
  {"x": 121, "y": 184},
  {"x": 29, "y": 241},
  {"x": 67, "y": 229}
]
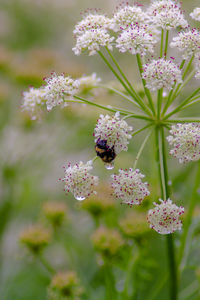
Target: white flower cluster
[
  {"x": 195, "y": 14},
  {"x": 186, "y": 141},
  {"x": 33, "y": 100},
  {"x": 92, "y": 40},
  {"x": 79, "y": 181},
  {"x": 167, "y": 14},
  {"x": 115, "y": 131},
  {"x": 128, "y": 186},
  {"x": 58, "y": 89},
  {"x": 88, "y": 82},
  {"x": 92, "y": 21},
  {"x": 187, "y": 42},
  {"x": 127, "y": 15},
  {"x": 164, "y": 218},
  {"x": 161, "y": 73},
  {"x": 137, "y": 39}
]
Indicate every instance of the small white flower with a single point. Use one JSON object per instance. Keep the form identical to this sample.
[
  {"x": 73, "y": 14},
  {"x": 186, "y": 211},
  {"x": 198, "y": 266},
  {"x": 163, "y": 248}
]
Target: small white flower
[
  {"x": 128, "y": 186},
  {"x": 137, "y": 39},
  {"x": 167, "y": 14},
  {"x": 195, "y": 14},
  {"x": 91, "y": 21},
  {"x": 164, "y": 218},
  {"x": 88, "y": 82},
  {"x": 33, "y": 101},
  {"x": 187, "y": 42},
  {"x": 186, "y": 141},
  {"x": 127, "y": 15},
  {"x": 113, "y": 130},
  {"x": 92, "y": 40},
  {"x": 79, "y": 181},
  {"x": 161, "y": 73},
  {"x": 58, "y": 89}
]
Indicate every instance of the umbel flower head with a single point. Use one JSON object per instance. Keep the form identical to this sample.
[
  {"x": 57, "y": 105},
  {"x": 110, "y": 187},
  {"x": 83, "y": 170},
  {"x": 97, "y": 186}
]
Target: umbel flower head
[
  {"x": 161, "y": 73},
  {"x": 58, "y": 89},
  {"x": 92, "y": 40},
  {"x": 114, "y": 131},
  {"x": 79, "y": 181},
  {"x": 187, "y": 42},
  {"x": 128, "y": 186},
  {"x": 137, "y": 39},
  {"x": 186, "y": 141},
  {"x": 167, "y": 14},
  {"x": 55, "y": 212},
  {"x": 64, "y": 286},
  {"x": 33, "y": 100},
  {"x": 164, "y": 218},
  {"x": 35, "y": 238},
  {"x": 107, "y": 242},
  {"x": 127, "y": 15},
  {"x": 195, "y": 14},
  {"x": 87, "y": 83},
  {"x": 91, "y": 21}
]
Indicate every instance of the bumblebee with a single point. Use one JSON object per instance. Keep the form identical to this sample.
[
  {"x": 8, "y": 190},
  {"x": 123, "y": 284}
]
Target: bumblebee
[{"x": 106, "y": 153}]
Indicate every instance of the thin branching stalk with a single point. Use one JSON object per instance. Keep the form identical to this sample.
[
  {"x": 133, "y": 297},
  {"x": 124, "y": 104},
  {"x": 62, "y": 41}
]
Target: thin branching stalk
[
  {"x": 142, "y": 129},
  {"x": 166, "y": 44},
  {"x": 141, "y": 149}
]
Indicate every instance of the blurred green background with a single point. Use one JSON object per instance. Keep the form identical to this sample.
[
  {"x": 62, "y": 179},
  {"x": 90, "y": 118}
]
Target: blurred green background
[{"x": 36, "y": 38}]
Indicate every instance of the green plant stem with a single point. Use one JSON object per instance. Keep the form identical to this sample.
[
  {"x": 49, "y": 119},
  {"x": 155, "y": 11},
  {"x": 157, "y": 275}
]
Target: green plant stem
[
  {"x": 122, "y": 111},
  {"x": 109, "y": 282},
  {"x": 147, "y": 92},
  {"x": 184, "y": 120},
  {"x": 159, "y": 103},
  {"x": 118, "y": 93},
  {"x": 192, "y": 103},
  {"x": 161, "y": 43},
  {"x": 46, "y": 264},
  {"x": 166, "y": 44},
  {"x": 183, "y": 103},
  {"x": 188, "y": 67},
  {"x": 142, "y": 129},
  {"x": 141, "y": 149},
  {"x": 139, "y": 100},
  {"x": 188, "y": 220},
  {"x": 163, "y": 175}
]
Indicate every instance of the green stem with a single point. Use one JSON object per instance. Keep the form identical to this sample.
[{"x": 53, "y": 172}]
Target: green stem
[
  {"x": 46, "y": 264},
  {"x": 184, "y": 120},
  {"x": 177, "y": 109},
  {"x": 161, "y": 43},
  {"x": 166, "y": 44},
  {"x": 118, "y": 93},
  {"x": 139, "y": 100},
  {"x": 141, "y": 149},
  {"x": 188, "y": 67},
  {"x": 109, "y": 283},
  {"x": 147, "y": 92},
  {"x": 163, "y": 174},
  {"x": 192, "y": 103},
  {"x": 122, "y": 111},
  {"x": 188, "y": 220},
  {"x": 142, "y": 129},
  {"x": 159, "y": 103}
]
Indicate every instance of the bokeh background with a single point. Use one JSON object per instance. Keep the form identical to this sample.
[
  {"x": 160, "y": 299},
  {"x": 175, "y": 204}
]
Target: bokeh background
[{"x": 36, "y": 38}]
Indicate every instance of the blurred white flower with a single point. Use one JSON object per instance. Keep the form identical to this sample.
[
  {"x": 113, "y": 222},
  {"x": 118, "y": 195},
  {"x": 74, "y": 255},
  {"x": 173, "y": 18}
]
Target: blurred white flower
[
  {"x": 164, "y": 218},
  {"x": 167, "y": 14},
  {"x": 58, "y": 89},
  {"x": 127, "y": 15},
  {"x": 137, "y": 39},
  {"x": 128, "y": 186},
  {"x": 197, "y": 65},
  {"x": 195, "y": 14},
  {"x": 87, "y": 83},
  {"x": 33, "y": 100},
  {"x": 161, "y": 73},
  {"x": 92, "y": 40},
  {"x": 79, "y": 181},
  {"x": 91, "y": 21},
  {"x": 187, "y": 42},
  {"x": 186, "y": 141},
  {"x": 114, "y": 131}
]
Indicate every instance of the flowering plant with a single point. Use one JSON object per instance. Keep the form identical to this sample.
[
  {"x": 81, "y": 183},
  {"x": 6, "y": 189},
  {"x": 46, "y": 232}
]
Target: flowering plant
[{"x": 147, "y": 33}]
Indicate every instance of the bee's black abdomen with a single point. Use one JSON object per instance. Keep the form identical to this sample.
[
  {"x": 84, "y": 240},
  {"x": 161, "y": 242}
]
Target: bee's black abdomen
[{"x": 106, "y": 153}]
